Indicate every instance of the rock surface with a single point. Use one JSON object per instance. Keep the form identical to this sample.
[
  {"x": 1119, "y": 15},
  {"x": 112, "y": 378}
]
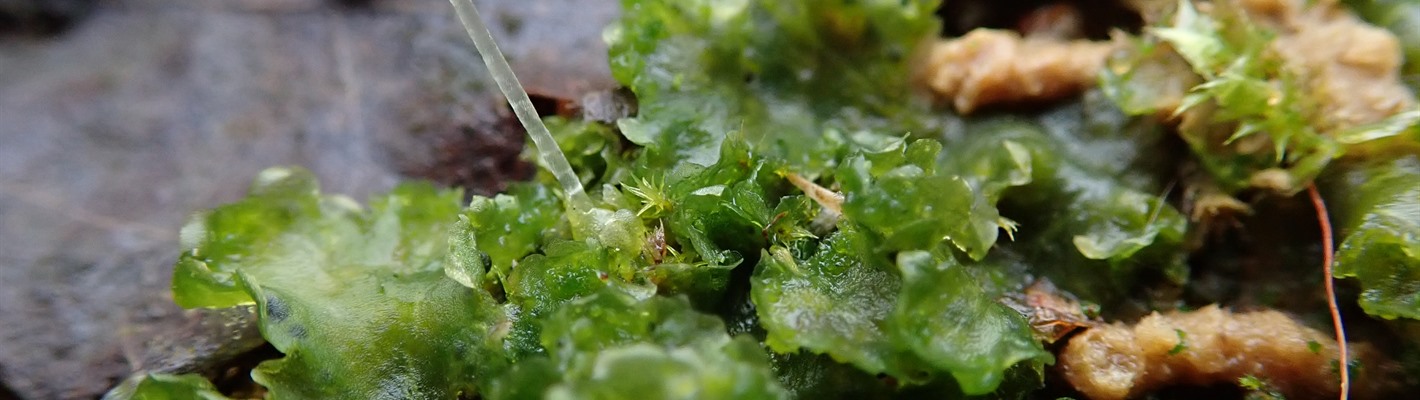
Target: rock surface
[{"x": 116, "y": 130}]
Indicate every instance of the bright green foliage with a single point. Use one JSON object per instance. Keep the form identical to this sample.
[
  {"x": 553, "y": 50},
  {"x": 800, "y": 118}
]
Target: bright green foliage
[
  {"x": 357, "y": 300},
  {"x": 720, "y": 211},
  {"x": 813, "y": 376},
  {"x": 612, "y": 318},
  {"x": 933, "y": 318},
  {"x": 206, "y": 272},
  {"x": 1245, "y": 90},
  {"x": 1090, "y": 210},
  {"x": 989, "y": 167},
  {"x": 147, "y": 386},
  {"x": 1105, "y": 236},
  {"x": 611, "y": 345},
  {"x": 717, "y": 216},
  {"x": 946, "y": 318},
  {"x": 542, "y": 283},
  {"x": 1382, "y": 244},
  {"x": 829, "y": 303},
  {"x": 395, "y": 338},
  {"x": 504, "y": 229},
  {"x": 651, "y": 193},
  {"x": 284, "y": 230},
  {"x": 786, "y": 72},
  {"x": 733, "y": 94},
  {"x": 901, "y": 185},
  {"x": 709, "y": 372}
]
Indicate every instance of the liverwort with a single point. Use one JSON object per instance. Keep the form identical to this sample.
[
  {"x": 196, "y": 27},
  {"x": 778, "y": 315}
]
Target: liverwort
[{"x": 547, "y": 148}]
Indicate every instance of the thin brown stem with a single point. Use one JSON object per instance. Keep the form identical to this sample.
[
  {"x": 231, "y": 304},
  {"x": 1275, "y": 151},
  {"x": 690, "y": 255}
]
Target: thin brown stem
[{"x": 1325, "y": 220}]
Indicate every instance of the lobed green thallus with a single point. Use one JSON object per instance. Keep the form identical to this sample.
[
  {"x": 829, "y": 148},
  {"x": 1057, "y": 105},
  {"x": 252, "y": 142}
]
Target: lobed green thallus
[{"x": 699, "y": 271}]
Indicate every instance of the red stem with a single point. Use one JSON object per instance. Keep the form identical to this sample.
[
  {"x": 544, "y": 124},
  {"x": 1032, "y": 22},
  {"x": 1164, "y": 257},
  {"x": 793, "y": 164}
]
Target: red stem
[{"x": 1325, "y": 220}]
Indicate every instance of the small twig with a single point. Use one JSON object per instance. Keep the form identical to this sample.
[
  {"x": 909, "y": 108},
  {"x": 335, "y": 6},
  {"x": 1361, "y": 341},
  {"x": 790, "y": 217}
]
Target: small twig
[
  {"x": 1325, "y": 220},
  {"x": 828, "y": 199}
]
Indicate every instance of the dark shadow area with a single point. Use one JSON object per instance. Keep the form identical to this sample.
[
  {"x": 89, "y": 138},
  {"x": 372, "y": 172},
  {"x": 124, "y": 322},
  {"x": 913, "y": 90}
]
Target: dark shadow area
[
  {"x": 41, "y": 18},
  {"x": 354, "y": 4},
  {"x": 1096, "y": 17},
  {"x": 5, "y": 392},
  {"x": 234, "y": 378}
]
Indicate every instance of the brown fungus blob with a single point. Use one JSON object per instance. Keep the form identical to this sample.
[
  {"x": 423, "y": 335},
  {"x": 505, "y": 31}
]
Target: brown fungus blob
[
  {"x": 997, "y": 67},
  {"x": 1213, "y": 346}
]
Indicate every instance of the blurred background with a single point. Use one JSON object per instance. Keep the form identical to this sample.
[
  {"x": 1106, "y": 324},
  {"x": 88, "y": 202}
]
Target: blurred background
[{"x": 120, "y": 118}]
